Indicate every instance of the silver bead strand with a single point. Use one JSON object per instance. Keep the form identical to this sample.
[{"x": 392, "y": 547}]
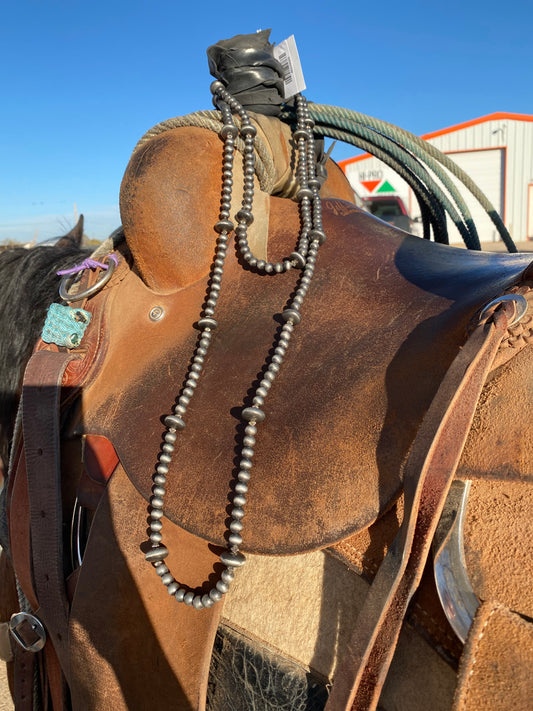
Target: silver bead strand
[
  {"x": 244, "y": 216},
  {"x": 311, "y": 237}
]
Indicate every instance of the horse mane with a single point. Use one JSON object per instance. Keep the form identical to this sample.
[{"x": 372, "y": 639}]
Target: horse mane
[{"x": 29, "y": 285}]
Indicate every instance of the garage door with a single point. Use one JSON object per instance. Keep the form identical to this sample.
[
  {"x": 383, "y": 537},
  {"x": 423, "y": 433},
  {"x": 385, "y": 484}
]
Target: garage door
[{"x": 487, "y": 170}]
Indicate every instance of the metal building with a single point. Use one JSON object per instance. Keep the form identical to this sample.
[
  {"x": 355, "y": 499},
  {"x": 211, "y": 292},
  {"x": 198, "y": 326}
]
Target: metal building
[{"x": 496, "y": 151}]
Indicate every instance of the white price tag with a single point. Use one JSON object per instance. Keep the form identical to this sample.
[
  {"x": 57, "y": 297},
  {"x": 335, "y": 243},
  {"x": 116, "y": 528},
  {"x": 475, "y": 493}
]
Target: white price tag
[{"x": 286, "y": 53}]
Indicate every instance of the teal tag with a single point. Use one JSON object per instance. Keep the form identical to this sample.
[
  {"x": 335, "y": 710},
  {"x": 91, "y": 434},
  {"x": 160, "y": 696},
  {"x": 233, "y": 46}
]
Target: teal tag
[{"x": 65, "y": 325}]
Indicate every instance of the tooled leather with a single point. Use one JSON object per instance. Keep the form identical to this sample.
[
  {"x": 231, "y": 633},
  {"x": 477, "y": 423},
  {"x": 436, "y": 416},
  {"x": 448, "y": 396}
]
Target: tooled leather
[{"x": 344, "y": 409}]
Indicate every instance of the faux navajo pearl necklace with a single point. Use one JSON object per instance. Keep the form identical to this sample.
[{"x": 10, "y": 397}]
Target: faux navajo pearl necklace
[{"x": 304, "y": 258}]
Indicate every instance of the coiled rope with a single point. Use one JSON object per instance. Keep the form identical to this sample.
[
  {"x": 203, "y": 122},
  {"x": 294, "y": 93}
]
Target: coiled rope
[
  {"x": 418, "y": 162},
  {"x": 350, "y": 126}
]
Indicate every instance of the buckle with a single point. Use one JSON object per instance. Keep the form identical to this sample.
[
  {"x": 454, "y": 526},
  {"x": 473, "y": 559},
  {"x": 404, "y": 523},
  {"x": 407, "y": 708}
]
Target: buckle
[{"x": 28, "y": 631}]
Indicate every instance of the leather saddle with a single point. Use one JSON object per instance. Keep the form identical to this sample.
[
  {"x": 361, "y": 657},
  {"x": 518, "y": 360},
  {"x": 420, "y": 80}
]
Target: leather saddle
[{"x": 386, "y": 316}]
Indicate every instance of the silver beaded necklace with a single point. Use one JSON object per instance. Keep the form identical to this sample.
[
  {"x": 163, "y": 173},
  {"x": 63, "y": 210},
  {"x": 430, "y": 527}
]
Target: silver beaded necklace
[{"x": 304, "y": 258}]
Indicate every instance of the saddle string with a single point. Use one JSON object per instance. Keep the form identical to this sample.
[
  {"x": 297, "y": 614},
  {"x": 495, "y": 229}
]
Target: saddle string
[{"x": 304, "y": 258}]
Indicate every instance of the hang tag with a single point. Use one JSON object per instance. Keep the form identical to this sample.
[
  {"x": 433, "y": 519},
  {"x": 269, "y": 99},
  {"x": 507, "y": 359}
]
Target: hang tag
[{"x": 286, "y": 53}]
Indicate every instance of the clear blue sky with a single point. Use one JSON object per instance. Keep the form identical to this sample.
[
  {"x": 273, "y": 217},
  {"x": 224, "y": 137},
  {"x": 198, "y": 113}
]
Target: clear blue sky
[{"x": 82, "y": 81}]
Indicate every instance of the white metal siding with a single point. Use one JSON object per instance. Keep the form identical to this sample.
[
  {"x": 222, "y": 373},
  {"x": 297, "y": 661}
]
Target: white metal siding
[{"x": 486, "y": 168}]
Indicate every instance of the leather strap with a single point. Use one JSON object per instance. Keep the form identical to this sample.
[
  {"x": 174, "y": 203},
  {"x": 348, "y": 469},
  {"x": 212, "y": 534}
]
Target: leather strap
[
  {"x": 428, "y": 474},
  {"x": 41, "y": 397}
]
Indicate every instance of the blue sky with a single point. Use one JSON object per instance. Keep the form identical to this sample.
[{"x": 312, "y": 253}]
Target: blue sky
[{"x": 82, "y": 81}]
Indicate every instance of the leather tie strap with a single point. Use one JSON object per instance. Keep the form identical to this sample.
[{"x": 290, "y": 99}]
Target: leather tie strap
[
  {"x": 41, "y": 396},
  {"x": 428, "y": 474}
]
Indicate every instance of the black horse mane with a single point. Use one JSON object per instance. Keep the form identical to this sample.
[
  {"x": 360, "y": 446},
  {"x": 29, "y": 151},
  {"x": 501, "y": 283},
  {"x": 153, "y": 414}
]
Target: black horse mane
[{"x": 28, "y": 285}]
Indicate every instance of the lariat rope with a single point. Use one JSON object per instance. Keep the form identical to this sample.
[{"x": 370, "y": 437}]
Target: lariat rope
[
  {"x": 418, "y": 162},
  {"x": 212, "y": 120}
]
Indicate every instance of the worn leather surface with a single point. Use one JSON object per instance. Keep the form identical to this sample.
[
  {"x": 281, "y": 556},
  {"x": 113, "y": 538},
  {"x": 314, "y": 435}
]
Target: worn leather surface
[
  {"x": 495, "y": 672},
  {"x": 497, "y": 540},
  {"x": 385, "y": 315},
  {"x": 132, "y": 646}
]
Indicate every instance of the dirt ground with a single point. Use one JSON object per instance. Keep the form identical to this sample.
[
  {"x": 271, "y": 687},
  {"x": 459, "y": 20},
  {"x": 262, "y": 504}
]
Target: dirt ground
[{"x": 5, "y": 697}]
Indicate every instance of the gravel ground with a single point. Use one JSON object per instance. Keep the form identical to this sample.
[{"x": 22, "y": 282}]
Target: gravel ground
[{"x": 6, "y": 704}]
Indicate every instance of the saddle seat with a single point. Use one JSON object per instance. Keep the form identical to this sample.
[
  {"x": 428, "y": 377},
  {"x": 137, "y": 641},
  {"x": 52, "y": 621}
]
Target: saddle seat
[{"x": 385, "y": 317}]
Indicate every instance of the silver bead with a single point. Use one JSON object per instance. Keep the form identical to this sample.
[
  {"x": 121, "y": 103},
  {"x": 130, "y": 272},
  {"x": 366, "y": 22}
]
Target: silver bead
[
  {"x": 237, "y": 513},
  {"x": 180, "y": 594},
  {"x": 241, "y": 487},
  {"x": 291, "y": 315},
  {"x": 222, "y": 587},
  {"x": 167, "y": 578},
  {"x": 207, "y": 323},
  {"x": 235, "y": 539},
  {"x": 233, "y": 560},
  {"x": 298, "y": 259},
  {"x": 188, "y": 598},
  {"x": 206, "y": 601},
  {"x": 215, "y": 595},
  {"x": 175, "y": 422},
  {"x": 253, "y": 414},
  {"x": 197, "y": 602},
  {"x": 172, "y": 588},
  {"x": 239, "y": 500},
  {"x": 227, "y": 575},
  {"x": 236, "y": 526}
]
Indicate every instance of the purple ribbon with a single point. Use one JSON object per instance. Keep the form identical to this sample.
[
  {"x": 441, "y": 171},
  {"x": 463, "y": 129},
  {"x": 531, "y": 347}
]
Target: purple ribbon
[{"x": 88, "y": 264}]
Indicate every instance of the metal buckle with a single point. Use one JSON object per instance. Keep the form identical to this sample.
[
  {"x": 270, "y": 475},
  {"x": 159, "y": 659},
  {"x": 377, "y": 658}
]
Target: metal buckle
[
  {"x": 521, "y": 306},
  {"x": 22, "y": 625}
]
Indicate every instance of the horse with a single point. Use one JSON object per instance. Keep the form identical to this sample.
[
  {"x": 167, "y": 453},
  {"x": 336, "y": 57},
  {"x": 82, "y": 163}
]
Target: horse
[
  {"x": 23, "y": 313},
  {"x": 254, "y": 446}
]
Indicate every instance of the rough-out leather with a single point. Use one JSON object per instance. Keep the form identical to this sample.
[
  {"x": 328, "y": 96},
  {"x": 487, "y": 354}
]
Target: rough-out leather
[
  {"x": 495, "y": 672},
  {"x": 385, "y": 317},
  {"x": 375, "y": 340}
]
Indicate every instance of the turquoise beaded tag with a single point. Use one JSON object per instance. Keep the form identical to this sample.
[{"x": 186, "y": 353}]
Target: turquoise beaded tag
[{"x": 65, "y": 325}]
